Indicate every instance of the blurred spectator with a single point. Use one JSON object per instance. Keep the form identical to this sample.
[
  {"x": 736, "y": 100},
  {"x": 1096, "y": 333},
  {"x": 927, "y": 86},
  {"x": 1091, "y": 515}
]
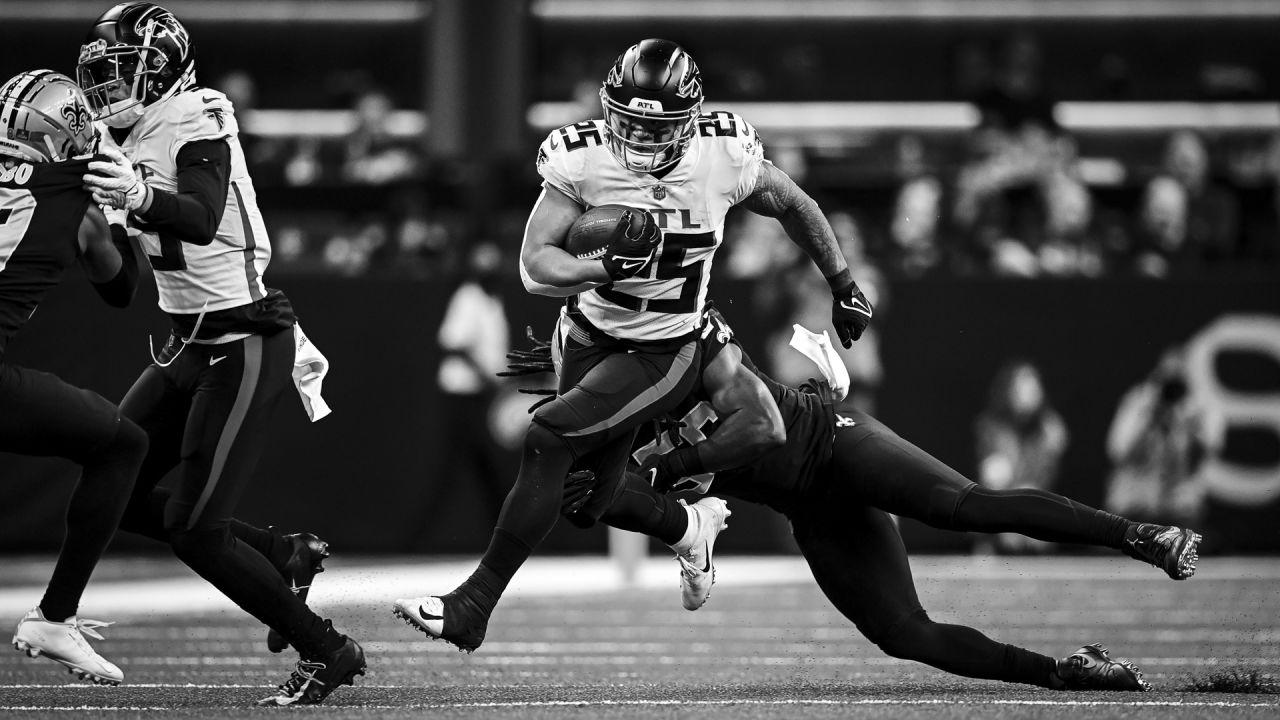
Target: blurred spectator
[
  {"x": 917, "y": 212},
  {"x": 1188, "y": 219},
  {"x": 1021, "y": 439},
  {"x": 372, "y": 154},
  {"x": 1019, "y": 199},
  {"x": 473, "y": 338},
  {"x": 1156, "y": 444}
]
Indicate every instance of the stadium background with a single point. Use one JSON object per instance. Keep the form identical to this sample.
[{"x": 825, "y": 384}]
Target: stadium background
[{"x": 837, "y": 89}]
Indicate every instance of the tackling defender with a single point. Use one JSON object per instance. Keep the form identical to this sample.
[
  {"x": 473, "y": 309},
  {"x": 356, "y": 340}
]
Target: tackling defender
[
  {"x": 207, "y": 400},
  {"x": 48, "y": 222},
  {"x": 630, "y": 325},
  {"x": 837, "y": 476}
]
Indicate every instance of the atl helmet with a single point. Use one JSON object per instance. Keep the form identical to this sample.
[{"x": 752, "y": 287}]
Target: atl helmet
[
  {"x": 135, "y": 54},
  {"x": 651, "y": 98},
  {"x": 44, "y": 117}
]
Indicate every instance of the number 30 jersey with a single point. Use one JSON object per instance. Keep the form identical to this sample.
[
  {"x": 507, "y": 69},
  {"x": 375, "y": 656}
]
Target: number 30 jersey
[
  {"x": 227, "y": 272},
  {"x": 718, "y": 171}
]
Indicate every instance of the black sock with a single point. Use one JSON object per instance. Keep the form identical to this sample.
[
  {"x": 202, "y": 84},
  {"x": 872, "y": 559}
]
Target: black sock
[
  {"x": 250, "y": 580},
  {"x": 271, "y": 545},
  {"x": 1038, "y": 514},
  {"x": 962, "y": 650},
  {"x": 93, "y": 514},
  {"x": 640, "y": 508},
  {"x": 504, "y": 556}
]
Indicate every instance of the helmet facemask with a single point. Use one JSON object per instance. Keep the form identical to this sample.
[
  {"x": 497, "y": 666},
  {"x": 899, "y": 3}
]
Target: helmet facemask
[
  {"x": 141, "y": 56},
  {"x": 643, "y": 137}
]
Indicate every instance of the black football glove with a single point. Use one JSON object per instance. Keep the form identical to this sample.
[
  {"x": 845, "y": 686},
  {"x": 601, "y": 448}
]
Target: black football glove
[
  {"x": 630, "y": 253},
  {"x": 578, "y": 486},
  {"x": 663, "y": 475},
  {"x": 850, "y": 313}
]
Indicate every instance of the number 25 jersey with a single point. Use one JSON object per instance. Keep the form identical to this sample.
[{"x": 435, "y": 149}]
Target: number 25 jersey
[
  {"x": 690, "y": 202},
  {"x": 227, "y": 272}
]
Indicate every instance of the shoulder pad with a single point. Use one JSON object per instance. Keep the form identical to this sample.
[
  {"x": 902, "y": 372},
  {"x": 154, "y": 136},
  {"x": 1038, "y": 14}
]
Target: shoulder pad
[
  {"x": 201, "y": 114},
  {"x": 560, "y": 162},
  {"x": 739, "y": 139}
]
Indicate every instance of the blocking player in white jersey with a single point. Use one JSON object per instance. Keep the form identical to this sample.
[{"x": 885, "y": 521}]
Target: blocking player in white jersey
[
  {"x": 627, "y": 336},
  {"x": 206, "y": 401}
]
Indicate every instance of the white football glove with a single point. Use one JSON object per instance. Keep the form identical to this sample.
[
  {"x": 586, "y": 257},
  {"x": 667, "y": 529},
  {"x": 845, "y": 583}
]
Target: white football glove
[{"x": 114, "y": 183}]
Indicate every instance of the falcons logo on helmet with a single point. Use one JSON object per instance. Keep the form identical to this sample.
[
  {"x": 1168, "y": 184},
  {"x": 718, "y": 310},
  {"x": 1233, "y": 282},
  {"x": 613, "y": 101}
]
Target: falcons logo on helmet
[{"x": 161, "y": 24}]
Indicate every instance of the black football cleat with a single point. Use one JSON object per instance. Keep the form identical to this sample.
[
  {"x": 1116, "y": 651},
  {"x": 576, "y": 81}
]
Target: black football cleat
[
  {"x": 301, "y": 569},
  {"x": 313, "y": 679},
  {"x": 1091, "y": 668},
  {"x": 454, "y": 618},
  {"x": 1170, "y": 548}
]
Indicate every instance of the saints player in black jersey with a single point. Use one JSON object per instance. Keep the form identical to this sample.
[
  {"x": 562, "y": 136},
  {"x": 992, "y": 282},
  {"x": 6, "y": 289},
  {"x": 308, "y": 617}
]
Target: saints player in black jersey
[
  {"x": 837, "y": 476},
  {"x": 234, "y": 353},
  {"x": 47, "y": 223}
]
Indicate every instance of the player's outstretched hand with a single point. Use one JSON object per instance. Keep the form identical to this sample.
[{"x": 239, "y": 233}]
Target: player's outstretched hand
[
  {"x": 850, "y": 313},
  {"x": 631, "y": 250},
  {"x": 114, "y": 183}
]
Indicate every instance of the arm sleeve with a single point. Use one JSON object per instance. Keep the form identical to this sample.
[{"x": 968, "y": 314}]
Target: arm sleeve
[
  {"x": 193, "y": 213},
  {"x": 119, "y": 290}
]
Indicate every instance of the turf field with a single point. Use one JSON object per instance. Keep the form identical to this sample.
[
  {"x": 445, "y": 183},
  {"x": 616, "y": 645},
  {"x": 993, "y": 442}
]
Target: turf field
[{"x": 572, "y": 640}]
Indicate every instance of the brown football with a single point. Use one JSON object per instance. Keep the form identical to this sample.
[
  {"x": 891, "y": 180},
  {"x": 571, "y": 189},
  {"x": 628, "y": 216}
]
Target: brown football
[{"x": 589, "y": 236}]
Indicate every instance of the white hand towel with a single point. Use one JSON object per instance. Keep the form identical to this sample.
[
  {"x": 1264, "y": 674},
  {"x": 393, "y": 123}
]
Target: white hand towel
[
  {"x": 819, "y": 349},
  {"x": 309, "y": 369}
]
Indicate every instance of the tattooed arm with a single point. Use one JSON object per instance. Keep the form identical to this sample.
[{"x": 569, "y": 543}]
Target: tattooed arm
[{"x": 777, "y": 196}]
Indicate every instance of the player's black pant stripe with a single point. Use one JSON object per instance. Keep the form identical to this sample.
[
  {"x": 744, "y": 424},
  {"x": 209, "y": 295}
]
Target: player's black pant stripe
[
  {"x": 250, "y": 244},
  {"x": 679, "y": 367},
  {"x": 231, "y": 428}
]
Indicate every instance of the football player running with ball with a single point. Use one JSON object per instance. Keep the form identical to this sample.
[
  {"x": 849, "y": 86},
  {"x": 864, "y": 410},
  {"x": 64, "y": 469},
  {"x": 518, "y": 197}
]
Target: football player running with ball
[
  {"x": 205, "y": 403},
  {"x": 48, "y": 222},
  {"x": 631, "y": 323}
]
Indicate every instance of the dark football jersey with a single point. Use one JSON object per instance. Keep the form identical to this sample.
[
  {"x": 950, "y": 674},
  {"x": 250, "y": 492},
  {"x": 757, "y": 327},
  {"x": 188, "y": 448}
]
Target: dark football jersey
[
  {"x": 41, "y": 206},
  {"x": 782, "y": 476}
]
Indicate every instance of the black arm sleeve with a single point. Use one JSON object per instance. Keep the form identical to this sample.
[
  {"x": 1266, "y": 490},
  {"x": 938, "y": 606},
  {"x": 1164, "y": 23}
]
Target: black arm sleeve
[
  {"x": 119, "y": 290},
  {"x": 193, "y": 213}
]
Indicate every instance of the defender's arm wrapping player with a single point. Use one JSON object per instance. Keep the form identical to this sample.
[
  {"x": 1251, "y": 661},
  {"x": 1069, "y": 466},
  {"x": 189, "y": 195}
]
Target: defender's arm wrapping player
[
  {"x": 628, "y": 332},
  {"x": 838, "y": 477},
  {"x": 206, "y": 401},
  {"x": 47, "y": 223}
]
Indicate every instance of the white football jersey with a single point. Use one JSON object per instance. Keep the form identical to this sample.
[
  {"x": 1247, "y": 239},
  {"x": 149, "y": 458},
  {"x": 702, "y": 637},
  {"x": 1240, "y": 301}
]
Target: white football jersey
[
  {"x": 227, "y": 272},
  {"x": 718, "y": 171}
]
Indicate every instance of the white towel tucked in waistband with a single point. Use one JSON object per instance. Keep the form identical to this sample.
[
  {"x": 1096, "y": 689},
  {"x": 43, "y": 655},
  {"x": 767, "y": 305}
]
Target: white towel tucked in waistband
[
  {"x": 309, "y": 369},
  {"x": 819, "y": 349}
]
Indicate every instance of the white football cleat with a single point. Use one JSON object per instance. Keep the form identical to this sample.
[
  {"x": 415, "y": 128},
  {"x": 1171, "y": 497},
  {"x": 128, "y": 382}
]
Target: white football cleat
[
  {"x": 64, "y": 642},
  {"x": 707, "y": 518}
]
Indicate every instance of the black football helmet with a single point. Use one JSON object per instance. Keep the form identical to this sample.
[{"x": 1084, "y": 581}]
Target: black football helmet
[
  {"x": 652, "y": 98},
  {"x": 135, "y": 54}
]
